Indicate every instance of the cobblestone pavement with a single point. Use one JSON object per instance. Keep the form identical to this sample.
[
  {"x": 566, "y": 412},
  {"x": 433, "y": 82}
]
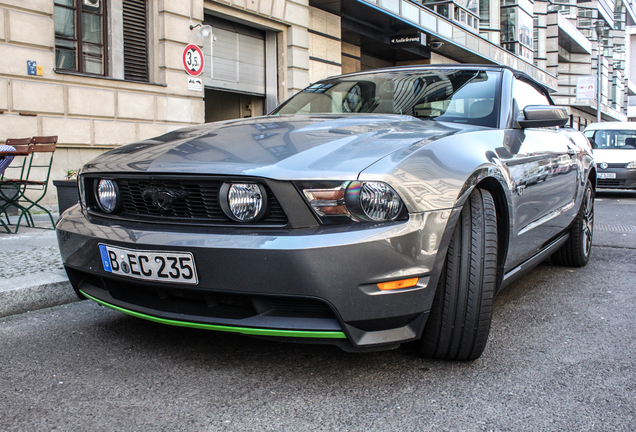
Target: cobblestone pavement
[
  {"x": 21, "y": 262},
  {"x": 31, "y": 250}
]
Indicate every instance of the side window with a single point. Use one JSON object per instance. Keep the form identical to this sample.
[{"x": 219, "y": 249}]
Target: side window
[{"x": 525, "y": 95}]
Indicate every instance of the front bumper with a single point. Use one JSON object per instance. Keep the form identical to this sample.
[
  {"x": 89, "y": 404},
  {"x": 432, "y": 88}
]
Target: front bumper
[
  {"x": 313, "y": 284},
  {"x": 625, "y": 179}
]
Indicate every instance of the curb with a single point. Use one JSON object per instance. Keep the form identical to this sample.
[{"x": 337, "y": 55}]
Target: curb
[{"x": 35, "y": 291}]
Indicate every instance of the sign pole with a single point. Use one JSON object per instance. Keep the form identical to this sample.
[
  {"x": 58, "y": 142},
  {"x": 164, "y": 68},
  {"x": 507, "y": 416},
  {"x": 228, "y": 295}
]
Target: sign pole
[{"x": 599, "y": 68}]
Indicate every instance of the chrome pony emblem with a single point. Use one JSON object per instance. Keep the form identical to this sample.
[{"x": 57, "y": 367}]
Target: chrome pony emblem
[
  {"x": 163, "y": 198},
  {"x": 603, "y": 165}
]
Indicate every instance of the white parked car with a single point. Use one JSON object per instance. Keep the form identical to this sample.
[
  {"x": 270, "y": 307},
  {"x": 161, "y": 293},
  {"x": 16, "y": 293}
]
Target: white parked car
[{"x": 614, "y": 146}]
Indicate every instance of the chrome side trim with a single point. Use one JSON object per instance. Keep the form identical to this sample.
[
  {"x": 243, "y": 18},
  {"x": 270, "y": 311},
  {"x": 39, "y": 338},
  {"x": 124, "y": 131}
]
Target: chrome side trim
[{"x": 546, "y": 218}]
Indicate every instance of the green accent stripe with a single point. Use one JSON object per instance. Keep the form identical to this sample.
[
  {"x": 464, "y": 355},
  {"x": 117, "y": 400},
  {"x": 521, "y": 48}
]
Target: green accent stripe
[{"x": 242, "y": 330}]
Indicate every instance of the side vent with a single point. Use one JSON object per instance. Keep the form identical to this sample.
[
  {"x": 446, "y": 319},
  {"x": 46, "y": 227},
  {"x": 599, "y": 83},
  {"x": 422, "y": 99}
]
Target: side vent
[{"x": 135, "y": 40}]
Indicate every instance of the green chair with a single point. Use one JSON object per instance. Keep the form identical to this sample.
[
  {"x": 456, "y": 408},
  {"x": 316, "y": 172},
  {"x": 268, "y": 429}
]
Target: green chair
[
  {"x": 12, "y": 176},
  {"x": 31, "y": 188}
]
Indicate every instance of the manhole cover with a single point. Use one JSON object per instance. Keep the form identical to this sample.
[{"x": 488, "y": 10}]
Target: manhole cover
[{"x": 615, "y": 228}]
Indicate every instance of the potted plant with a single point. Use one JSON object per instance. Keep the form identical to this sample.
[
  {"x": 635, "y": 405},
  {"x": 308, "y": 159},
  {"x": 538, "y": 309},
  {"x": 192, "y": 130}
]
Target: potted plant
[{"x": 67, "y": 193}]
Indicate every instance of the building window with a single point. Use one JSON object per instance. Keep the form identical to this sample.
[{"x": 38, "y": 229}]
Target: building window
[
  {"x": 443, "y": 10},
  {"x": 508, "y": 24},
  {"x": 80, "y": 41}
]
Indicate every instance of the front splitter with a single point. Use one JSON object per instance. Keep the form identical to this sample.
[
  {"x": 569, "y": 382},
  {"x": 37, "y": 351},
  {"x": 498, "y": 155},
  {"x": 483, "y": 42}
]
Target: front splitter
[{"x": 231, "y": 329}]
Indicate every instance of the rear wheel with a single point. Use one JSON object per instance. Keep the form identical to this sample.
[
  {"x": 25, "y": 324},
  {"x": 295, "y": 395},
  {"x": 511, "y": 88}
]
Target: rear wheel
[
  {"x": 459, "y": 321},
  {"x": 576, "y": 250}
]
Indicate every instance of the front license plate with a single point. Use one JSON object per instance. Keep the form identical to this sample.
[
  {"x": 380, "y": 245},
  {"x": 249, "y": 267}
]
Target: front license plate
[
  {"x": 150, "y": 265},
  {"x": 606, "y": 175}
]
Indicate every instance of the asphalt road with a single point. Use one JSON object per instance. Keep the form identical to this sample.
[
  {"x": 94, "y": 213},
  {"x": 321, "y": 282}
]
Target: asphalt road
[{"x": 561, "y": 357}]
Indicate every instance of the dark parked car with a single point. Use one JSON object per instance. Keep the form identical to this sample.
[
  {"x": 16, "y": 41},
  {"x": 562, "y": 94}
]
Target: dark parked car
[{"x": 368, "y": 210}]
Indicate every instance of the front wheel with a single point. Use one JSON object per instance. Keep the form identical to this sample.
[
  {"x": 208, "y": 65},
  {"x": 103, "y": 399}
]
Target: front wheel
[
  {"x": 459, "y": 322},
  {"x": 575, "y": 252}
]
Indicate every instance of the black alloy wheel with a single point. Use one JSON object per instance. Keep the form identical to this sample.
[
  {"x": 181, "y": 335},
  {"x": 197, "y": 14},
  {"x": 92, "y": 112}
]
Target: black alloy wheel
[{"x": 576, "y": 250}]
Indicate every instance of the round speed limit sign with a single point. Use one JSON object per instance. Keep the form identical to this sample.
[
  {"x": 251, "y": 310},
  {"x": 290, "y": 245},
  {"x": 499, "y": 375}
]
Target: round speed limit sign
[{"x": 193, "y": 60}]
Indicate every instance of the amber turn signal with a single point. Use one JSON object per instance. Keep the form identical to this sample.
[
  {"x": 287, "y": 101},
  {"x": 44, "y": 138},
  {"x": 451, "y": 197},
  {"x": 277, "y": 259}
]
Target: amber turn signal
[{"x": 403, "y": 283}]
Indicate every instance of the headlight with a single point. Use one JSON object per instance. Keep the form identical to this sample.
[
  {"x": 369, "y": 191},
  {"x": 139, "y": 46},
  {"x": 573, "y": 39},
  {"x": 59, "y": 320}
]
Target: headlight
[
  {"x": 243, "y": 202},
  {"x": 631, "y": 165},
  {"x": 379, "y": 201},
  {"x": 358, "y": 201},
  {"x": 107, "y": 195}
]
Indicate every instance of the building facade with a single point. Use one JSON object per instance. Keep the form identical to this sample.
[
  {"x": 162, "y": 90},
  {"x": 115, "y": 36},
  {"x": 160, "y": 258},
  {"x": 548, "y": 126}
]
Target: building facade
[{"x": 103, "y": 73}]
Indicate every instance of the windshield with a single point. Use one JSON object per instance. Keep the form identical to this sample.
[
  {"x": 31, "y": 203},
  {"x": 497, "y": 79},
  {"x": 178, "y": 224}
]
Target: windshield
[
  {"x": 612, "y": 139},
  {"x": 461, "y": 96}
]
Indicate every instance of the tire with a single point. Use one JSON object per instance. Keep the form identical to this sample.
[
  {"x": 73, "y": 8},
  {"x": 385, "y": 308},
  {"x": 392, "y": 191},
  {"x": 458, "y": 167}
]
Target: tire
[
  {"x": 459, "y": 322},
  {"x": 576, "y": 250}
]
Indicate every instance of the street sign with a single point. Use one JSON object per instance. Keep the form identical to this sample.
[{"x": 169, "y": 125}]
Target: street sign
[
  {"x": 193, "y": 60},
  {"x": 586, "y": 87},
  {"x": 32, "y": 67},
  {"x": 195, "y": 84},
  {"x": 411, "y": 39}
]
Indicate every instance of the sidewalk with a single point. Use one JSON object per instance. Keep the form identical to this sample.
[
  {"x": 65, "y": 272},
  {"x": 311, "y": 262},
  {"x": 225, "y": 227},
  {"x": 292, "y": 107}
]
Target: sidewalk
[{"x": 31, "y": 272}]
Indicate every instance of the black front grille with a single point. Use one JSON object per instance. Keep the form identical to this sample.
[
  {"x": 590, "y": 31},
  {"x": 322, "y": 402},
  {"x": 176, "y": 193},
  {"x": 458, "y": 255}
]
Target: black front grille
[
  {"x": 610, "y": 183},
  {"x": 198, "y": 202}
]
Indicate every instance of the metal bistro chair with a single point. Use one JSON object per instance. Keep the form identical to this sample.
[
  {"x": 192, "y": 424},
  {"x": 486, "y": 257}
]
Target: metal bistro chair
[
  {"x": 12, "y": 176},
  {"x": 31, "y": 189}
]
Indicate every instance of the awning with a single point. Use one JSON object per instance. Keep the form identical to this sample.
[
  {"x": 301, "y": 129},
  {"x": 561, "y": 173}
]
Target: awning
[
  {"x": 382, "y": 18},
  {"x": 570, "y": 37}
]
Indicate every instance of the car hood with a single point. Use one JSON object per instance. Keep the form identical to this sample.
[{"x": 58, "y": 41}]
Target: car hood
[
  {"x": 614, "y": 155},
  {"x": 279, "y": 147}
]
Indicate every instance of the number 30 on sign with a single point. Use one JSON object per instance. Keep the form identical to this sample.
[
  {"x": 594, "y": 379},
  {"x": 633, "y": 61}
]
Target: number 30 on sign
[{"x": 193, "y": 60}]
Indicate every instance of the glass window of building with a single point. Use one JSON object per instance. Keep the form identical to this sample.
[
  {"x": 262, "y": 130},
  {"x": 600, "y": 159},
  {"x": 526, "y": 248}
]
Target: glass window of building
[
  {"x": 464, "y": 12},
  {"x": 484, "y": 13},
  {"x": 80, "y": 41},
  {"x": 443, "y": 10},
  {"x": 508, "y": 24},
  {"x": 517, "y": 31},
  {"x": 82, "y": 38}
]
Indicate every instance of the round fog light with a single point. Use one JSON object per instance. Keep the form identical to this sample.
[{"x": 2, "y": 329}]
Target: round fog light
[
  {"x": 107, "y": 195},
  {"x": 243, "y": 202}
]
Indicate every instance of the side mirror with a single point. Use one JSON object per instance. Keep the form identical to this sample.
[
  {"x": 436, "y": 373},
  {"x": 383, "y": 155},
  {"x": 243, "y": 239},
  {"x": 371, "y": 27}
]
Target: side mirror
[{"x": 536, "y": 116}]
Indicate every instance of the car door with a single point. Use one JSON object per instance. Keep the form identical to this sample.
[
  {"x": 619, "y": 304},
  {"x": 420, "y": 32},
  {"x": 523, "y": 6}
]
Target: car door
[{"x": 544, "y": 171}]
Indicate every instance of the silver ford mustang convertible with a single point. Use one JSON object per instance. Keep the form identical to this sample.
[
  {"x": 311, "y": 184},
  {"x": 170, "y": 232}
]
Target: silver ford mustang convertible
[{"x": 369, "y": 210}]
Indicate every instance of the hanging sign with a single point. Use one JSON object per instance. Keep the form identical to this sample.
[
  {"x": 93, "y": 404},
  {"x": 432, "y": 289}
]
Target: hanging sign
[
  {"x": 193, "y": 60},
  {"x": 409, "y": 39},
  {"x": 586, "y": 87}
]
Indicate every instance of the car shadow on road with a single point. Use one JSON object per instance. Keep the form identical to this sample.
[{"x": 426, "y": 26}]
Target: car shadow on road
[{"x": 217, "y": 350}]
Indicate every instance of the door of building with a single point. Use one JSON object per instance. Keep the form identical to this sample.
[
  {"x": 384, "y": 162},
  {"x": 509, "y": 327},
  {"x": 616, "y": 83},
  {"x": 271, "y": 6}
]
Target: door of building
[{"x": 235, "y": 74}]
